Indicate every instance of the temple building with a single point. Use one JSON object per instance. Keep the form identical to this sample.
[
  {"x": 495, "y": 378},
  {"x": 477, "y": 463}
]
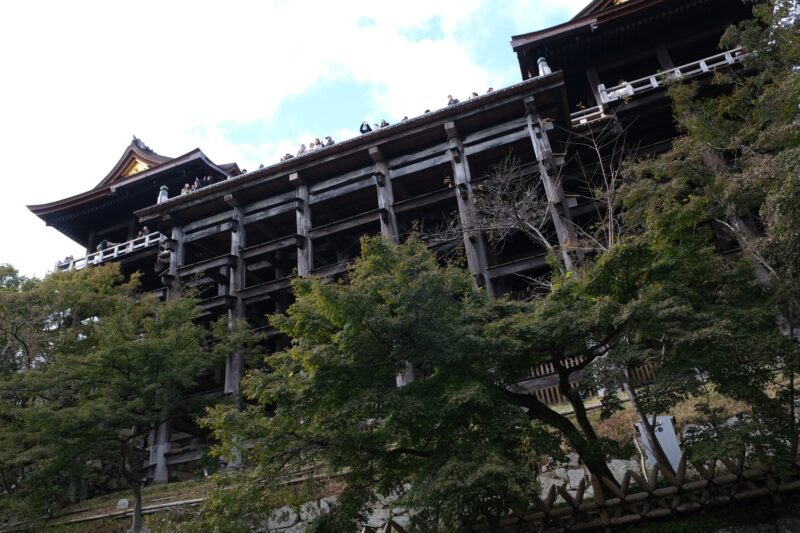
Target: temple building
[{"x": 240, "y": 237}]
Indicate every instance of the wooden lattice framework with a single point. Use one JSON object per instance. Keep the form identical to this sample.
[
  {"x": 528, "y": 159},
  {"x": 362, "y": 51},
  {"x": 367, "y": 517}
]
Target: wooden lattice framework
[{"x": 602, "y": 504}]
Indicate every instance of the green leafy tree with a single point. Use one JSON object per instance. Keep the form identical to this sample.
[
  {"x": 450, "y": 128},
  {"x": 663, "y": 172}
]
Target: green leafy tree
[
  {"x": 460, "y": 442},
  {"x": 737, "y": 167},
  {"x": 119, "y": 363}
]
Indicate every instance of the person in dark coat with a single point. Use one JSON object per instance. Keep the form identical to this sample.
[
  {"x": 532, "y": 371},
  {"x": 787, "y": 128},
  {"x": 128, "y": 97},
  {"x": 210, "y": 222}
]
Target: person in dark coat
[
  {"x": 364, "y": 128},
  {"x": 451, "y": 100},
  {"x": 328, "y": 141}
]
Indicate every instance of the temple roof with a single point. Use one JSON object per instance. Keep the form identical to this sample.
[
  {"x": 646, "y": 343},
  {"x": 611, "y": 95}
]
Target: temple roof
[
  {"x": 136, "y": 158},
  {"x": 597, "y": 6},
  {"x": 139, "y": 168},
  {"x": 597, "y": 12}
]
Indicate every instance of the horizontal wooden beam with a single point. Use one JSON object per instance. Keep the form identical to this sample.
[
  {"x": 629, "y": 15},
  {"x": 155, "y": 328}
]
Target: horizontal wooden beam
[
  {"x": 271, "y": 212},
  {"x": 518, "y": 266},
  {"x": 496, "y": 142},
  {"x": 272, "y": 201},
  {"x": 425, "y": 200},
  {"x": 422, "y": 165},
  {"x": 202, "y": 234},
  {"x": 400, "y": 161},
  {"x": 226, "y": 260},
  {"x": 346, "y": 224},
  {"x": 223, "y": 300},
  {"x": 500, "y": 129},
  {"x": 338, "y": 181},
  {"x": 362, "y": 183},
  {"x": 330, "y": 270},
  {"x": 264, "y": 289},
  {"x": 289, "y": 241}
]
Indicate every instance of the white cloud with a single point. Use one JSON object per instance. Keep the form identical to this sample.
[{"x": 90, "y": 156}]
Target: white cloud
[{"x": 80, "y": 77}]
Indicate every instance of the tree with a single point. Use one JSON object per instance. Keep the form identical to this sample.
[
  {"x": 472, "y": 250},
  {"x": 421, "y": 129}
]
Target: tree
[
  {"x": 738, "y": 162},
  {"x": 118, "y": 364},
  {"x": 458, "y": 442}
]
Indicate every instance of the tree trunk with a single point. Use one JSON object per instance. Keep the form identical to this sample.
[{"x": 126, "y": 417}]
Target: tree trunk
[
  {"x": 136, "y": 527},
  {"x": 794, "y": 441},
  {"x": 134, "y": 482},
  {"x": 589, "y": 452},
  {"x": 658, "y": 451},
  {"x": 575, "y": 401}
]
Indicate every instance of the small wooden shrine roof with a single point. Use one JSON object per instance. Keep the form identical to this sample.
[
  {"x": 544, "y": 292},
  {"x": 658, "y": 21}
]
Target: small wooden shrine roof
[
  {"x": 588, "y": 19},
  {"x": 138, "y": 168}
]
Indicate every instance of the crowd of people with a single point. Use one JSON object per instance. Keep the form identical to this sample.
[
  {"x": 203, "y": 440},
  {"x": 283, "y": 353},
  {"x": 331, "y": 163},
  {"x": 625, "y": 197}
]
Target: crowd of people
[
  {"x": 105, "y": 244},
  {"x": 316, "y": 144},
  {"x": 198, "y": 183},
  {"x": 365, "y": 128}
]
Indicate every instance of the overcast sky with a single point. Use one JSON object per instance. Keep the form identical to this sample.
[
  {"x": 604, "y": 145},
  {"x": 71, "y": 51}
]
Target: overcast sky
[{"x": 244, "y": 81}]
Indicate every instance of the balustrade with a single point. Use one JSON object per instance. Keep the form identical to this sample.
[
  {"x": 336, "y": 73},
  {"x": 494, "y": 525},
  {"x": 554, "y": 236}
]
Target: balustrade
[{"x": 112, "y": 252}]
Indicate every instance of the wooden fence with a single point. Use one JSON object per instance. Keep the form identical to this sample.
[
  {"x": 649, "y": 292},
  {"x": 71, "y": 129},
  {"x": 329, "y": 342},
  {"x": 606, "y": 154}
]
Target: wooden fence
[
  {"x": 550, "y": 394},
  {"x": 603, "y": 505}
]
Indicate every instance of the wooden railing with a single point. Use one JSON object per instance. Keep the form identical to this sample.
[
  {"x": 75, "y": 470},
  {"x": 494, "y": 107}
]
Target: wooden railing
[
  {"x": 112, "y": 252},
  {"x": 602, "y": 505},
  {"x": 627, "y": 90}
]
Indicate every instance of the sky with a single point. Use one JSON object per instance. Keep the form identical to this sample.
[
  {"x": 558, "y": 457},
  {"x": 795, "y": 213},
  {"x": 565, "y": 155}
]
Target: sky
[{"x": 245, "y": 81}]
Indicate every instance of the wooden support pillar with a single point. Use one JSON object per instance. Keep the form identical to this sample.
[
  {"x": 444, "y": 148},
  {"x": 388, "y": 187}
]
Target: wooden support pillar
[
  {"x": 664, "y": 59},
  {"x": 593, "y": 79},
  {"x": 159, "y": 437},
  {"x": 305, "y": 256},
  {"x": 474, "y": 243},
  {"x": 548, "y": 172},
  {"x": 159, "y": 447},
  {"x": 234, "y": 365},
  {"x": 383, "y": 182},
  {"x": 90, "y": 244},
  {"x": 132, "y": 228},
  {"x": 175, "y": 260}
]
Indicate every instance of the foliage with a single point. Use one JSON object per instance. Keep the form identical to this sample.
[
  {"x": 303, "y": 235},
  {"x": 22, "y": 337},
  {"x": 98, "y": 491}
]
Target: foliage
[
  {"x": 737, "y": 168},
  {"x": 109, "y": 366},
  {"x": 449, "y": 442}
]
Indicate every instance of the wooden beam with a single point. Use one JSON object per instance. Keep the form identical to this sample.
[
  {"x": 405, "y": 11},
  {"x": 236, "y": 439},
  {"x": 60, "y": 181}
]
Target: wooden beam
[
  {"x": 376, "y": 154},
  {"x": 496, "y": 142},
  {"x": 305, "y": 256},
  {"x": 226, "y": 260},
  {"x": 520, "y": 265},
  {"x": 420, "y": 155},
  {"x": 383, "y": 185},
  {"x": 346, "y": 224},
  {"x": 422, "y": 165},
  {"x": 234, "y": 364},
  {"x": 494, "y": 131},
  {"x": 267, "y": 247},
  {"x": 451, "y": 130},
  {"x": 214, "y": 230},
  {"x": 267, "y": 288},
  {"x": 175, "y": 261},
  {"x": 548, "y": 173},
  {"x": 664, "y": 59},
  {"x": 159, "y": 446},
  {"x": 222, "y": 300},
  {"x": 331, "y": 270},
  {"x": 593, "y": 79},
  {"x": 206, "y": 221},
  {"x": 424, "y": 200},
  {"x": 321, "y": 196},
  {"x": 474, "y": 243},
  {"x": 338, "y": 181},
  {"x": 272, "y": 212}
]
